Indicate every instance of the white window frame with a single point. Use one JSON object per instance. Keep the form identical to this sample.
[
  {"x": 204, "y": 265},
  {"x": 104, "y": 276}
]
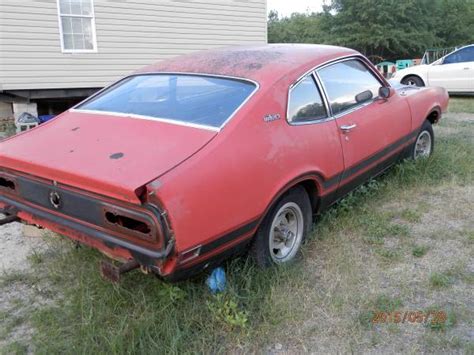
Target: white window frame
[{"x": 61, "y": 35}]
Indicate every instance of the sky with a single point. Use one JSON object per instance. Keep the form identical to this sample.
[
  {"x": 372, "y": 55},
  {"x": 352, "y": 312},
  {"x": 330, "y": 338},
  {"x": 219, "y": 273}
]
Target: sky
[{"x": 287, "y": 7}]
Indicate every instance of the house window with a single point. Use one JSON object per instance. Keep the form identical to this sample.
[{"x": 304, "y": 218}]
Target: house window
[{"x": 77, "y": 26}]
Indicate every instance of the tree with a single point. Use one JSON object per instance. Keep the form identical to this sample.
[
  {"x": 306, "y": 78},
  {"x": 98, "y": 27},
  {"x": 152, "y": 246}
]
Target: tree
[
  {"x": 384, "y": 28},
  {"x": 298, "y": 28},
  {"x": 456, "y": 22},
  {"x": 391, "y": 29}
]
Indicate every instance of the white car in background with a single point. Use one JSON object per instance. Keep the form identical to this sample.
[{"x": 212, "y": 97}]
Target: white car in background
[{"x": 454, "y": 72}]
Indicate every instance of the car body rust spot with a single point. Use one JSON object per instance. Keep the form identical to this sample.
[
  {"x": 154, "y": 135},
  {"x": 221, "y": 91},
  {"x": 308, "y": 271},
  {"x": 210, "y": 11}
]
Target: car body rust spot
[{"x": 116, "y": 156}]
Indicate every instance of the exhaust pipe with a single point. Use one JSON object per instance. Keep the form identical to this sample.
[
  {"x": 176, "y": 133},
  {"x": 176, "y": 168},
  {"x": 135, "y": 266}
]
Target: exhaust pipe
[{"x": 112, "y": 272}]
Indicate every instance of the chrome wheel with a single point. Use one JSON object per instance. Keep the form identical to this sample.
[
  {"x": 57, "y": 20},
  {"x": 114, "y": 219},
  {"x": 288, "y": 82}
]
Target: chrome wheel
[
  {"x": 413, "y": 81},
  {"x": 286, "y": 232},
  {"x": 423, "y": 145}
]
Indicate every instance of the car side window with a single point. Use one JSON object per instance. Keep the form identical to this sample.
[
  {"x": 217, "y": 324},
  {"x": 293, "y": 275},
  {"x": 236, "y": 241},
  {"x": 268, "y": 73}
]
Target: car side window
[
  {"x": 305, "y": 102},
  {"x": 348, "y": 84},
  {"x": 461, "y": 56}
]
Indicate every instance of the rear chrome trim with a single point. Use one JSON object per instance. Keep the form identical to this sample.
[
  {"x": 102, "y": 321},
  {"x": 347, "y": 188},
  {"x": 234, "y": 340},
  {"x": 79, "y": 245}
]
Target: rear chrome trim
[{"x": 149, "y": 118}]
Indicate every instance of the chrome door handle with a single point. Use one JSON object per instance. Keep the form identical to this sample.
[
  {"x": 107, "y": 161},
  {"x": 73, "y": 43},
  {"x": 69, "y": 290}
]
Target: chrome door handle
[
  {"x": 348, "y": 128},
  {"x": 467, "y": 68}
]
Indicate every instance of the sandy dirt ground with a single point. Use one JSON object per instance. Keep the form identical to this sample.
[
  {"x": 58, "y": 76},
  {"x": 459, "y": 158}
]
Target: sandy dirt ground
[{"x": 17, "y": 246}]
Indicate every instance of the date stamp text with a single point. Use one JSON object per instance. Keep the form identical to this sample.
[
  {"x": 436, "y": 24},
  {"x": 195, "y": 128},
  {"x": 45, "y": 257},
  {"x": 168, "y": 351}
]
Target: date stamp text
[{"x": 435, "y": 317}]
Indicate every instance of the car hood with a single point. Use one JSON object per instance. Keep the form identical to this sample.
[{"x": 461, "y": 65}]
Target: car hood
[{"x": 102, "y": 153}]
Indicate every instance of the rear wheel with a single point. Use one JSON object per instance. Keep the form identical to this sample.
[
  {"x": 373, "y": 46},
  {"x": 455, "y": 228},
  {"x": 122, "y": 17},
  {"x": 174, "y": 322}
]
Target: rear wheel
[
  {"x": 283, "y": 229},
  {"x": 424, "y": 144},
  {"x": 413, "y": 81}
]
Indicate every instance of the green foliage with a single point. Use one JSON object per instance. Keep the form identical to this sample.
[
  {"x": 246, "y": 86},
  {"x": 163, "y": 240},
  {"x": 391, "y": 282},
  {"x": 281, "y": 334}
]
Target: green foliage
[
  {"x": 388, "y": 254},
  {"x": 225, "y": 310},
  {"x": 439, "y": 279},
  {"x": 142, "y": 314},
  {"x": 411, "y": 215},
  {"x": 379, "y": 226},
  {"x": 382, "y": 303},
  {"x": 419, "y": 250},
  {"x": 15, "y": 348},
  {"x": 441, "y": 320},
  {"x": 299, "y": 28},
  {"x": 461, "y": 104},
  {"x": 35, "y": 258},
  {"x": 385, "y": 29}
]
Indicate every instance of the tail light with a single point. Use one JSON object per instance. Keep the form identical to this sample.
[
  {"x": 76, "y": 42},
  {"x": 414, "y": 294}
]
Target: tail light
[
  {"x": 7, "y": 183},
  {"x": 142, "y": 225}
]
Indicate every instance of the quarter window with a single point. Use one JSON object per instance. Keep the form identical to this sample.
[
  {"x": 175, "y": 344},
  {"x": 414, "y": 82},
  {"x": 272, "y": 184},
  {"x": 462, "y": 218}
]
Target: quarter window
[
  {"x": 344, "y": 81},
  {"x": 77, "y": 25},
  {"x": 306, "y": 103}
]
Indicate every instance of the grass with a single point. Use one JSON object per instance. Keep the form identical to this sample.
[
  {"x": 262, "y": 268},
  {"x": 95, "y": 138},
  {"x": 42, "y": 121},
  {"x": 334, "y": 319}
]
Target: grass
[
  {"x": 15, "y": 348},
  {"x": 144, "y": 314},
  {"x": 381, "y": 303},
  {"x": 419, "y": 250},
  {"x": 461, "y": 104},
  {"x": 358, "y": 260},
  {"x": 439, "y": 279},
  {"x": 442, "y": 320},
  {"x": 411, "y": 215}
]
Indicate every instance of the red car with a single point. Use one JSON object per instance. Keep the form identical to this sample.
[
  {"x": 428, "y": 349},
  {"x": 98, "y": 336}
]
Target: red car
[{"x": 188, "y": 161}]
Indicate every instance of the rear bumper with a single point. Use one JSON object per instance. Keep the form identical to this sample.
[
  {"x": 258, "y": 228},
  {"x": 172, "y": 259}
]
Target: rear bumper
[
  {"x": 121, "y": 230},
  {"x": 109, "y": 240},
  {"x": 142, "y": 254}
]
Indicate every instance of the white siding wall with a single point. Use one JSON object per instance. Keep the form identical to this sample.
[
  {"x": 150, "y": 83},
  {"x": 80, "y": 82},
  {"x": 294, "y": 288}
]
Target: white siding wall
[{"x": 130, "y": 34}]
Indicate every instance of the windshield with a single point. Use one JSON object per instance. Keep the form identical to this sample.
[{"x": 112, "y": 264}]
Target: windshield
[{"x": 194, "y": 99}]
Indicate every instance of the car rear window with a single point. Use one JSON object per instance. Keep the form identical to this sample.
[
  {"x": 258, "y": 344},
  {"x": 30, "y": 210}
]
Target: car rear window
[{"x": 194, "y": 99}]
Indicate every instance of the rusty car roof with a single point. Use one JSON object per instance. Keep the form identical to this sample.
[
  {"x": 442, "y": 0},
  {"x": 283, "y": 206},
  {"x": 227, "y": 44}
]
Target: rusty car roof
[{"x": 261, "y": 63}]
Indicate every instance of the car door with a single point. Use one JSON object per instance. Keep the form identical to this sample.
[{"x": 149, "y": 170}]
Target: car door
[
  {"x": 372, "y": 130},
  {"x": 455, "y": 72},
  {"x": 313, "y": 130}
]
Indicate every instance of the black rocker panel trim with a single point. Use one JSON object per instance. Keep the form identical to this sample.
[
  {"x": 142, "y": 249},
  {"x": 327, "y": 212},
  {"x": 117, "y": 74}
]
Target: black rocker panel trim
[{"x": 347, "y": 173}]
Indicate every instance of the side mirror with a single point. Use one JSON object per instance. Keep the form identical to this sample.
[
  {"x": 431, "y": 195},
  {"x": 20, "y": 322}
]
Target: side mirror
[{"x": 385, "y": 92}]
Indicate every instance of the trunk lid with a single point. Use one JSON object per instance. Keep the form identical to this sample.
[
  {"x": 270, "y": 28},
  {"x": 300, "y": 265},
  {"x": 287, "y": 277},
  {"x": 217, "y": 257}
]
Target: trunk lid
[{"x": 102, "y": 153}]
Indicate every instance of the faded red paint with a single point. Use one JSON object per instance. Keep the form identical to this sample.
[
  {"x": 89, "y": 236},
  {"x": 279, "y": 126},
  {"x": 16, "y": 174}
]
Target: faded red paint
[
  {"x": 264, "y": 64},
  {"x": 209, "y": 184},
  {"x": 108, "y": 155}
]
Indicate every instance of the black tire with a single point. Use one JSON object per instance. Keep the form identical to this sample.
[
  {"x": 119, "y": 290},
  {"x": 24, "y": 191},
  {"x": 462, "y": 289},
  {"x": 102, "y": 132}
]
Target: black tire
[
  {"x": 413, "y": 80},
  {"x": 293, "y": 202},
  {"x": 425, "y": 131}
]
